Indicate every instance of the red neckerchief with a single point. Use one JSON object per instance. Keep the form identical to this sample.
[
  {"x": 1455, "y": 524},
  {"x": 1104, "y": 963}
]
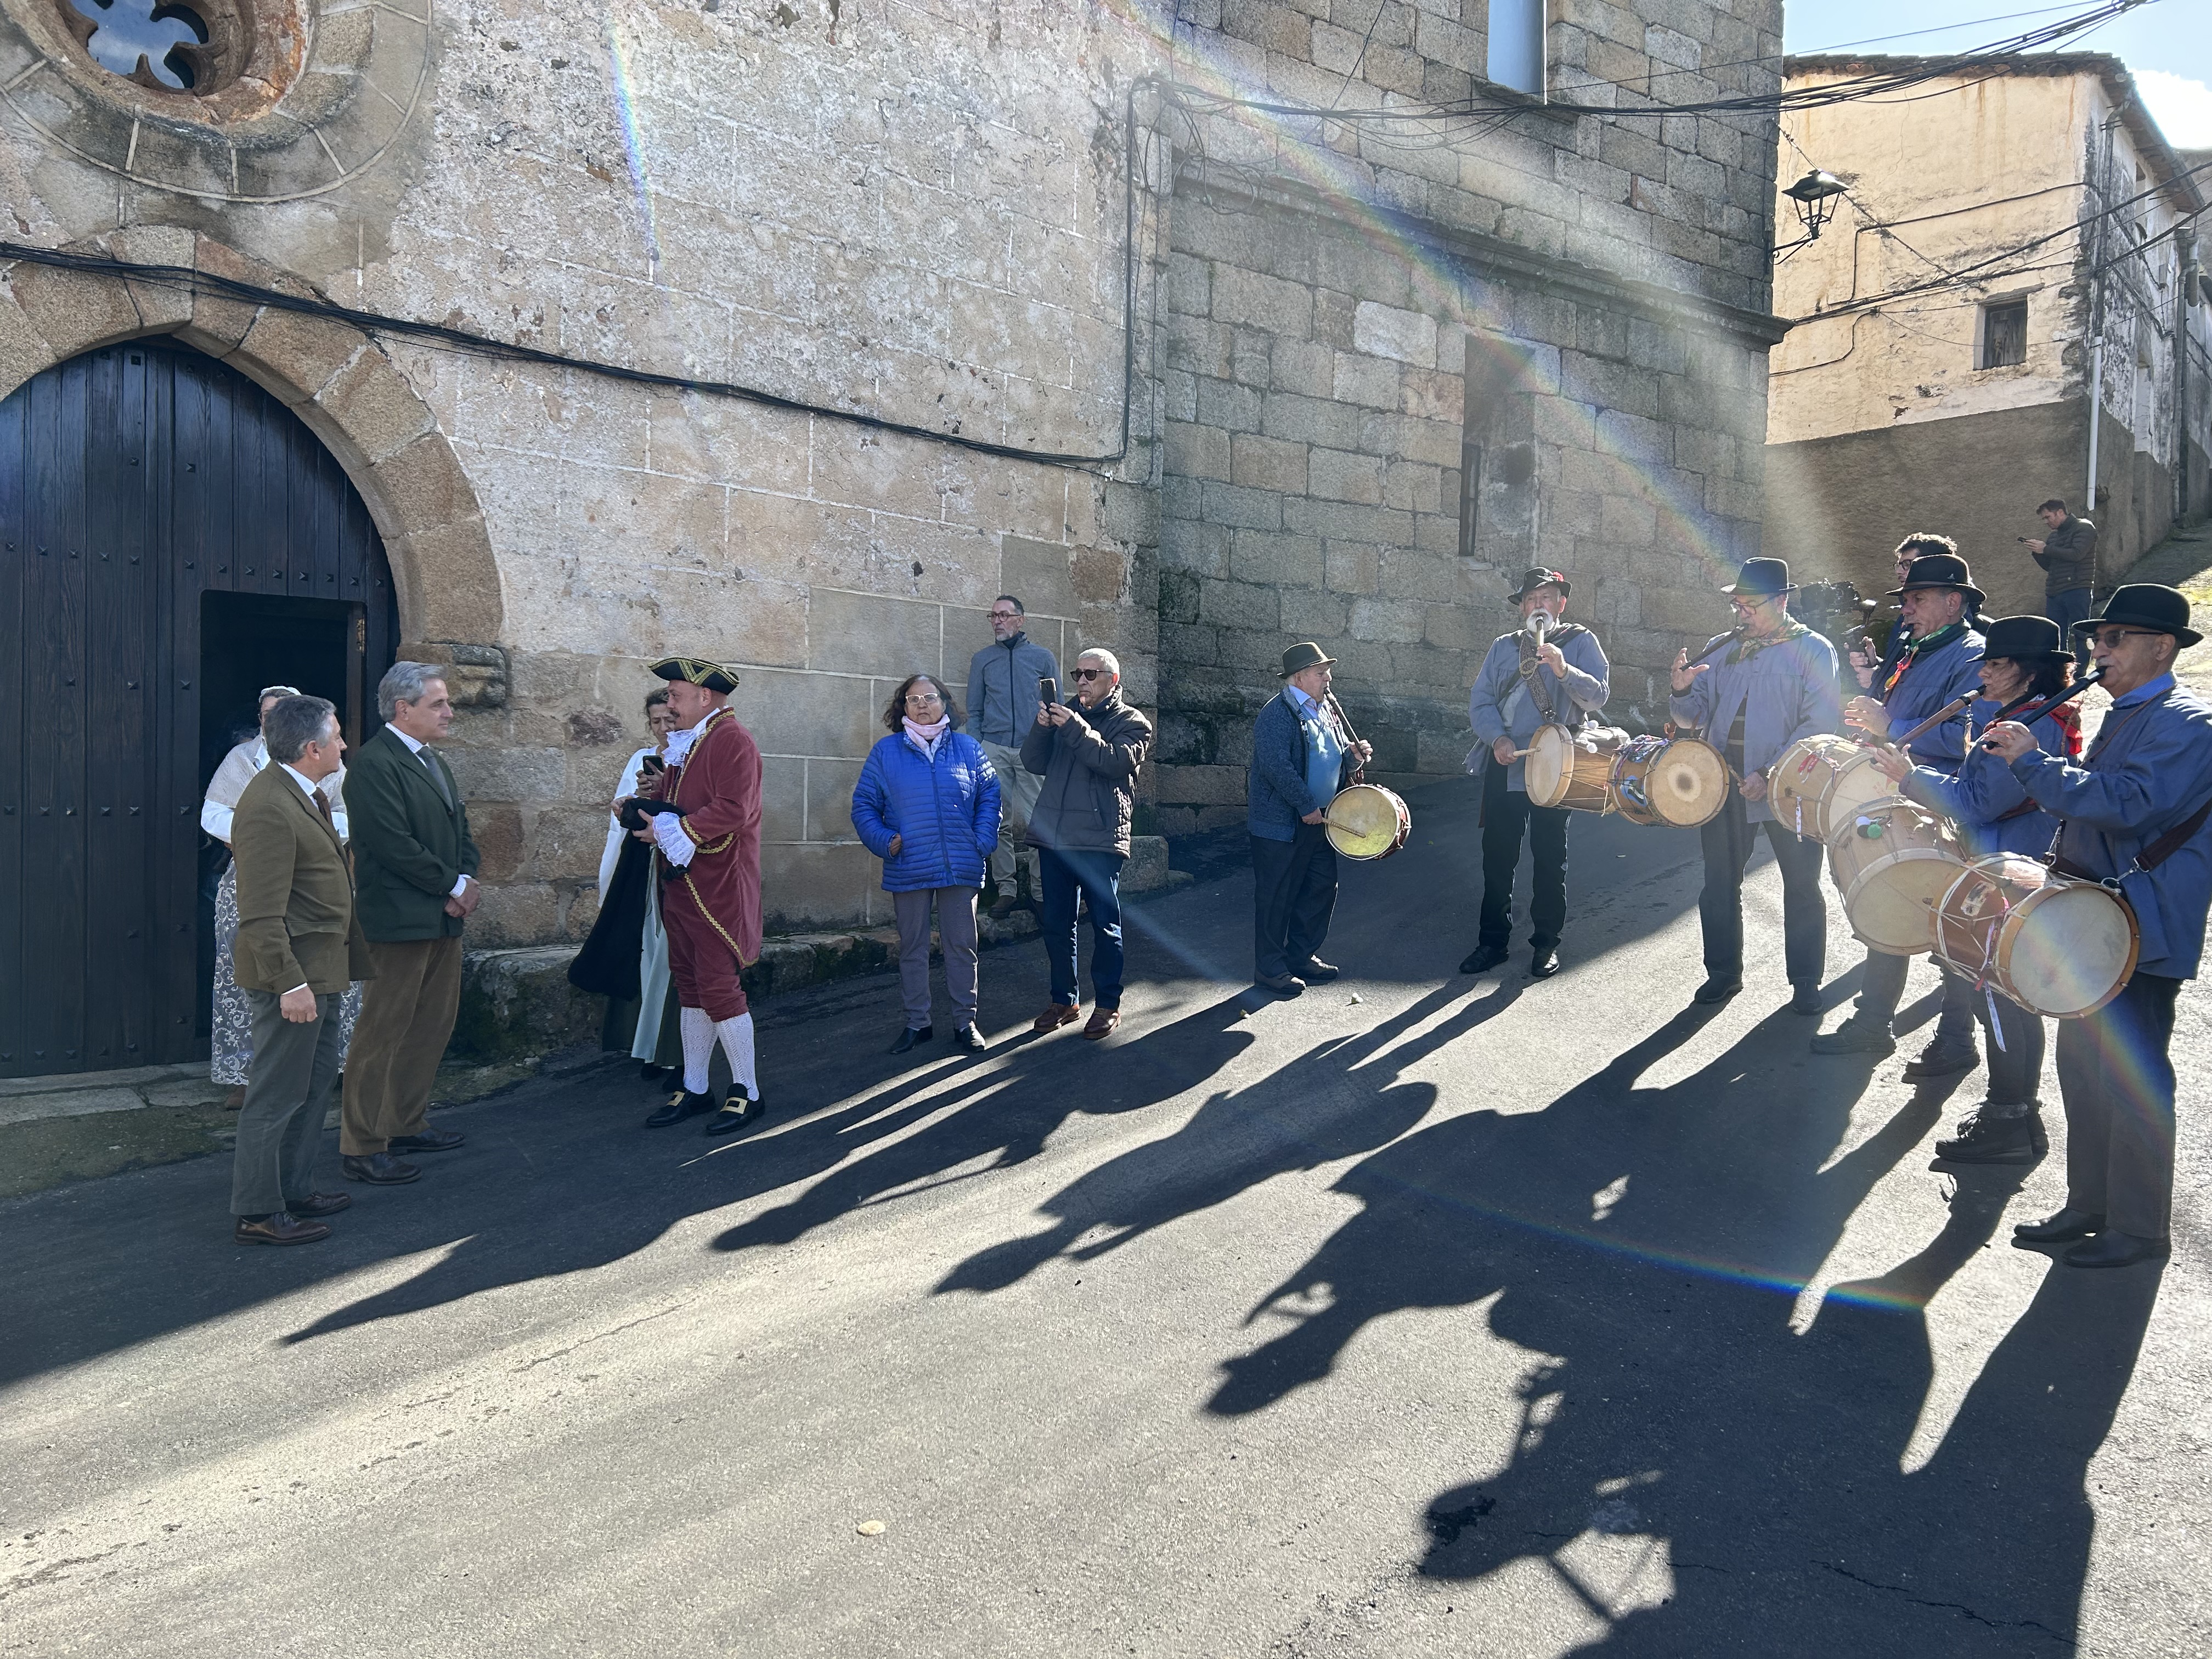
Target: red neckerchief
[{"x": 2067, "y": 717}]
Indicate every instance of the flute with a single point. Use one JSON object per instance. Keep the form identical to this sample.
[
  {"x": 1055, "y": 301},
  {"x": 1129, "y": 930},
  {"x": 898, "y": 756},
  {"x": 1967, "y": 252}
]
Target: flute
[{"x": 2019, "y": 702}]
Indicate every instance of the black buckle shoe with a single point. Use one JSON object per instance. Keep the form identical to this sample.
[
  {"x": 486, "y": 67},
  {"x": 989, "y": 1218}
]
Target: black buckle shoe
[
  {"x": 737, "y": 1112},
  {"x": 681, "y": 1104}
]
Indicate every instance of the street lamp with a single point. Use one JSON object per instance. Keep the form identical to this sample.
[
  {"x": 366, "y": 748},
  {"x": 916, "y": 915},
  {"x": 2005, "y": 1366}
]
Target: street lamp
[{"x": 1814, "y": 196}]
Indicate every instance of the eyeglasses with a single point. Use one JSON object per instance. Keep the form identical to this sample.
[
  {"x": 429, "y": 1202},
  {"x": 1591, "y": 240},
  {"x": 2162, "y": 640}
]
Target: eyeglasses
[
  {"x": 2110, "y": 637},
  {"x": 1090, "y": 674},
  {"x": 921, "y": 699},
  {"x": 1745, "y": 607},
  {"x": 1004, "y": 616}
]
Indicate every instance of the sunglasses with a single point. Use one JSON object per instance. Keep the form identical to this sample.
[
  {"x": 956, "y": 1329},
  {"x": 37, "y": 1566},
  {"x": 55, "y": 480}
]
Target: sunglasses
[
  {"x": 2110, "y": 637},
  {"x": 1090, "y": 674}
]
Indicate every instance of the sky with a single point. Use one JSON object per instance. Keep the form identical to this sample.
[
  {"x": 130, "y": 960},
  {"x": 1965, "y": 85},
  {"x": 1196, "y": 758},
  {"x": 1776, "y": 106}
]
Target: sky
[{"x": 2167, "y": 44}]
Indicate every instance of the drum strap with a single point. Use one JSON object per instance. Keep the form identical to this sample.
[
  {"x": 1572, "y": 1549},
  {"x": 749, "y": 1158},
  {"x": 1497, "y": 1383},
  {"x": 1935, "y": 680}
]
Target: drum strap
[{"x": 2174, "y": 839}]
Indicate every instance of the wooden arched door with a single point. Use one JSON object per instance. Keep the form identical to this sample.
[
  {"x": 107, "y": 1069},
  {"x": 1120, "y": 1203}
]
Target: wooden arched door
[{"x": 172, "y": 538}]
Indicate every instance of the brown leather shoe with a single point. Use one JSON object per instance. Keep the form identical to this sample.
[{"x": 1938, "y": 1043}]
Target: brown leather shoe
[
  {"x": 319, "y": 1204},
  {"x": 235, "y": 1100},
  {"x": 278, "y": 1229},
  {"x": 1102, "y": 1020},
  {"x": 1055, "y": 1015}
]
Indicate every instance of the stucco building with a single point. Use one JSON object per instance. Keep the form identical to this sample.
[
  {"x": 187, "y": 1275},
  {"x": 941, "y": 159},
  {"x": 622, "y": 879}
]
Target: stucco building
[
  {"x": 1904, "y": 400},
  {"x": 1064, "y": 300}
]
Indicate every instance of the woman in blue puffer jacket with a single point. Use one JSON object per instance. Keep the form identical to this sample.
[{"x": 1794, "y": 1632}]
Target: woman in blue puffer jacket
[{"x": 927, "y": 805}]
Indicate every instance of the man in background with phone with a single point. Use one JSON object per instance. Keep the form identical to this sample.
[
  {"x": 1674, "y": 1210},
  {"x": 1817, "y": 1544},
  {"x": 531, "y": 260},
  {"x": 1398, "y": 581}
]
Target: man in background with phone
[
  {"x": 2068, "y": 554},
  {"x": 1006, "y": 688}
]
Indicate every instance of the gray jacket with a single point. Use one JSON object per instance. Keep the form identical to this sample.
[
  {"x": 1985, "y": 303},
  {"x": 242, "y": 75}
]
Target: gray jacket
[
  {"x": 1002, "y": 689},
  {"x": 1089, "y": 771},
  {"x": 2068, "y": 557}
]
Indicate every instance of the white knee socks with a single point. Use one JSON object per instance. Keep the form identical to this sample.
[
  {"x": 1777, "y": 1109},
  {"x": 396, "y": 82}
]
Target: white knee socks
[
  {"x": 737, "y": 1036},
  {"x": 698, "y": 1048}
]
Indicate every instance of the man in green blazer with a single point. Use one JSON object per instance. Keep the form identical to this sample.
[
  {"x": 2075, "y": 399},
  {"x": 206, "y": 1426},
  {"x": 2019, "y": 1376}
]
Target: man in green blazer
[
  {"x": 414, "y": 874},
  {"x": 299, "y": 946}
]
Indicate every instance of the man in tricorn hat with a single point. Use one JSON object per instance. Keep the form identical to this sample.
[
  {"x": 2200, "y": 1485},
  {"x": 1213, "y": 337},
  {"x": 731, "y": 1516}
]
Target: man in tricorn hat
[
  {"x": 1753, "y": 691},
  {"x": 1541, "y": 673},
  {"x": 1303, "y": 752},
  {"x": 709, "y": 866},
  {"x": 1939, "y": 663},
  {"x": 2133, "y": 813}
]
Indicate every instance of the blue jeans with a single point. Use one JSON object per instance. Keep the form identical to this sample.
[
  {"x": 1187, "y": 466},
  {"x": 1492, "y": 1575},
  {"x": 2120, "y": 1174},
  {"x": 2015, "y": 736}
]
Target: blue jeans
[
  {"x": 2066, "y": 609},
  {"x": 1099, "y": 877}
]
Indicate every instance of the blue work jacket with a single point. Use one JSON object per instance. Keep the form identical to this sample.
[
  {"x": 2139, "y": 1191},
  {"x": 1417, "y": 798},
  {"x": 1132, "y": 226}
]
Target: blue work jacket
[
  {"x": 944, "y": 808},
  {"x": 1944, "y": 675},
  {"x": 1501, "y": 707},
  {"x": 2149, "y": 770},
  {"x": 1787, "y": 691},
  {"x": 1981, "y": 794}
]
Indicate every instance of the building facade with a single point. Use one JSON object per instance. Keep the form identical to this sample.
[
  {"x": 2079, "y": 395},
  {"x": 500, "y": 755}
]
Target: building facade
[
  {"x": 1904, "y": 400},
  {"x": 1060, "y": 300}
]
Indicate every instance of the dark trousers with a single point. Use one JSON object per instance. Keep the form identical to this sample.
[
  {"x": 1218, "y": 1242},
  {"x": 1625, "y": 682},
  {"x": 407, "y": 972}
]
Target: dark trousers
[
  {"x": 2116, "y": 1079},
  {"x": 1728, "y": 841},
  {"x": 1506, "y": 813},
  {"x": 2067, "y": 607},
  {"x": 280, "y": 1127},
  {"x": 1293, "y": 896},
  {"x": 1881, "y": 988},
  {"x": 2014, "y": 1047},
  {"x": 1098, "y": 875}
]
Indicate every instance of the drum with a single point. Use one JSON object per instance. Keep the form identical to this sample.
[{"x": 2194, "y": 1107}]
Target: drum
[
  {"x": 1820, "y": 782},
  {"x": 1893, "y": 860},
  {"x": 1569, "y": 768},
  {"x": 1680, "y": 782},
  {"x": 1367, "y": 821},
  {"x": 2054, "y": 945}
]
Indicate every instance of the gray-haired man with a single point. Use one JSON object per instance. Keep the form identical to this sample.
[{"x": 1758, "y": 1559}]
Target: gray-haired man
[{"x": 1003, "y": 699}]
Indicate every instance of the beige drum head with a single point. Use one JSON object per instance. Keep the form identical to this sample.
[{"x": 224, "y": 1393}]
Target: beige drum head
[
  {"x": 1366, "y": 822},
  {"x": 1891, "y": 903},
  {"x": 1688, "y": 784},
  {"x": 1550, "y": 766},
  {"x": 2071, "y": 948},
  {"x": 1798, "y": 782},
  {"x": 1858, "y": 783}
]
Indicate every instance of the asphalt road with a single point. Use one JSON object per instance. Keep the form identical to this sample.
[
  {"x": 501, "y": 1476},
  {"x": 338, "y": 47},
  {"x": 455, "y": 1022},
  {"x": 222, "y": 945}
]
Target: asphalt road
[{"x": 1420, "y": 1315}]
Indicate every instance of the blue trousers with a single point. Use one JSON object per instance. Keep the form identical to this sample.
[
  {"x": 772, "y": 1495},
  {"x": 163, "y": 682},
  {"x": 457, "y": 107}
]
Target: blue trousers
[
  {"x": 1098, "y": 875},
  {"x": 2066, "y": 609}
]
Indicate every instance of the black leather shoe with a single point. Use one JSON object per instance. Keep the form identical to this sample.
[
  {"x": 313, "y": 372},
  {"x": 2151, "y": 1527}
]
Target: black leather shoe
[
  {"x": 1806, "y": 1000},
  {"x": 317, "y": 1204},
  {"x": 1004, "y": 905},
  {"x": 1857, "y": 1036},
  {"x": 1716, "y": 989},
  {"x": 2061, "y": 1229},
  {"x": 379, "y": 1169},
  {"x": 1282, "y": 985},
  {"x": 969, "y": 1038},
  {"x": 737, "y": 1112},
  {"x": 1941, "y": 1058},
  {"x": 1317, "y": 972},
  {"x": 681, "y": 1104},
  {"x": 1544, "y": 963},
  {"x": 912, "y": 1038},
  {"x": 1483, "y": 958},
  {"x": 1984, "y": 1139},
  {"x": 2115, "y": 1250},
  {"x": 278, "y": 1229},
  {"x": 430, "y": 1140}
]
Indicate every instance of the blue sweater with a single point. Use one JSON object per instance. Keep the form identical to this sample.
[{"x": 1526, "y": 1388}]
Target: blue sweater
[
  {"x": 945, "y": 808},
  {"x": 1280, "y": 792}
]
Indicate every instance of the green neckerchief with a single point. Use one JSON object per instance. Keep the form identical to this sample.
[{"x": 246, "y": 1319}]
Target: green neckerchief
[
  {"x": 1747, "y": 647},
  {"x": 1905, "y": 658}
]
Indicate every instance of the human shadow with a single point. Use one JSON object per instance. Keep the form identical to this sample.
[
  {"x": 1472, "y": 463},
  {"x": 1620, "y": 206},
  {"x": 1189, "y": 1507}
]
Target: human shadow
[{"x": 1691, "y": 1475}]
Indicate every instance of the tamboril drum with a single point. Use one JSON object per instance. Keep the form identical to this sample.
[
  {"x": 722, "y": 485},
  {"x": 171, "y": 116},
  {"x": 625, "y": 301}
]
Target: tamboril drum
[
  {"x": 1680, "y": 782},
  {"x": 1820, "y": 782},
  {"x": 1893, "y": 860},
  {"x": 2054, "y": 945},
  {"x": 1570, "y": 768},
  {"x": 1366, "y": 821}
]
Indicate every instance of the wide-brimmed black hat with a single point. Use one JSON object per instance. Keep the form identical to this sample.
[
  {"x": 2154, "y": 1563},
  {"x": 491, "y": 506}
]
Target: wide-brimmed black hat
[
  {"x": 2023, "y": 639},
  {"x": 1536, "y": 577},
  {"x": 2148, "y": 605},
  {"x": 1761, "y": 579},
  {"x": 1939, "y": 570},
  {"x": 1302, "y": 656},
  {"x": 697, "y": 670}
]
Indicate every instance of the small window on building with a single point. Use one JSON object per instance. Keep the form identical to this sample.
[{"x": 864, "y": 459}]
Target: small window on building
[
  {"x": 2004, "y": 334},
  {"x": 1516, "y": 44}
]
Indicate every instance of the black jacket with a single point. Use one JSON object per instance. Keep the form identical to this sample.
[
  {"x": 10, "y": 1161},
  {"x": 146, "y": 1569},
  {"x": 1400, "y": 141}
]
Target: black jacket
[{"x": 1089, "y": 771}]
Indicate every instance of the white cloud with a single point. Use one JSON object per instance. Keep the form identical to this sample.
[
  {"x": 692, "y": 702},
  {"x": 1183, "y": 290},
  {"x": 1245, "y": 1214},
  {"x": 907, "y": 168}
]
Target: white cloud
[{"x": 2182, "y": 107}]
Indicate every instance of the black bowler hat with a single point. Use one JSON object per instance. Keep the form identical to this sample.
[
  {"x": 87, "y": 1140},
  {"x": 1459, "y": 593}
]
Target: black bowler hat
[
  {"x": 2148, "y": 605},
  {"x": 1939, "y": 570},
  {"x": 1536, "y": 577},
  {"x": 1302, "y": 656},
  {"x": 697, "y": 670},
  {"x": 1761, "y": 579},
  {"x": 2023, "y": 639}
]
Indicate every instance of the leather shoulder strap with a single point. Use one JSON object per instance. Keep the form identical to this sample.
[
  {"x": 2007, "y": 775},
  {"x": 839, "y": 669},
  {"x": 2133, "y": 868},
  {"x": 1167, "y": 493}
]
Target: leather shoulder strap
[{"x": 2174, "y": 839}]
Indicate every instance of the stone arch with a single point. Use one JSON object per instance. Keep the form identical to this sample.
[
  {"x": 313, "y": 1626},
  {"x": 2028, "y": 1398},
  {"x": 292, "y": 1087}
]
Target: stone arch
[{"x": 334, "y": 377}]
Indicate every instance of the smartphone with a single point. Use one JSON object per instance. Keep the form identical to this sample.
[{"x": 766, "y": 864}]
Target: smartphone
[
  {"x": 1047, "y": 688},
  {"x": 2022, "y": 540}
]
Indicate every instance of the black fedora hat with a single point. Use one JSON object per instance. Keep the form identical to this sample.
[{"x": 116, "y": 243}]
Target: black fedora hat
[
  {"x": 2023, "y": 639},
  {"x": 1939, "y": 570},
  {"x": 2148, "y": 605},
  {"x": 1536, "y": 577},
  {"x": 1761, "y": 579},
  {"x": 1302, "y": 656}
]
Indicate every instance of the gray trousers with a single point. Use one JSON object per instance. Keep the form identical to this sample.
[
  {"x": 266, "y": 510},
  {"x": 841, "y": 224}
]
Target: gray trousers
[
  {"x": 955, "y": 925},
  {"x": 280, "y": 1128},
  {"x": 1018, "y": 789}
]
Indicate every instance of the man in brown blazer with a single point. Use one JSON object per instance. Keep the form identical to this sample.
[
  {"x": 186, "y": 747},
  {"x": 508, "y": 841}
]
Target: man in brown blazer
[{"x": 298, "y": 946}]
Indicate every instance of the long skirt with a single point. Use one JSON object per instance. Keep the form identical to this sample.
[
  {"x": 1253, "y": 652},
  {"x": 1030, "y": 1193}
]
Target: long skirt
[{"x": 230, "y": 1045}]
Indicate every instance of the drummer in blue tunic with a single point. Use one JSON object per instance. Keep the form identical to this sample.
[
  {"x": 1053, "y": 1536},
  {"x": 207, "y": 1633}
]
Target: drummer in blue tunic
[
  {"x": 2133, "y": 813},
  {"x": 2021, "y": 656}
]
